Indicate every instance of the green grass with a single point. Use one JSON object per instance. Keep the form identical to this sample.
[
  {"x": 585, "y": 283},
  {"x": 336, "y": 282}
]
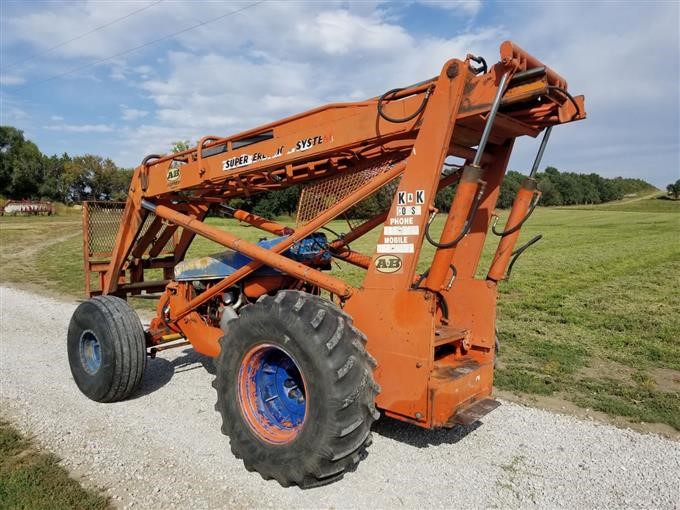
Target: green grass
[
  {"x": 33, "y": 480},
  {"x": 655, "y": 203},
  {"x": 590, "y": 313}
]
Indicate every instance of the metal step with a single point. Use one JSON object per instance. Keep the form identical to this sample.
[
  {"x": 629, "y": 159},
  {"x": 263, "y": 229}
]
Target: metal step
[
  {"x": 475, "y": 411},
  {"x": 447, "y": 335}
]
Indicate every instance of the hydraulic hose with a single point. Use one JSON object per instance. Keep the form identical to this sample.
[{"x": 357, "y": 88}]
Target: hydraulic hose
[
  {"x": 516, "y": 254},
  {"x": 396, "y": 120},
  {"x": 514, "y": 229},
  {"x": 466, "y": 226},
  {"x": 569, "y": 96}
]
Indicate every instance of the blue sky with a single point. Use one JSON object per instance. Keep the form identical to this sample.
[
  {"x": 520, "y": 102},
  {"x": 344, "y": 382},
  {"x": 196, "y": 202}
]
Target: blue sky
[{"x": 273, "y": 59}]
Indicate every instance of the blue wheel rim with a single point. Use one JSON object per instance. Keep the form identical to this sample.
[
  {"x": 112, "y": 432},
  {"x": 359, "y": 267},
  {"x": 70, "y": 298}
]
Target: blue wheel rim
[
  {"x": 272, "y": 393},
  {"x": 90, "y": 352}
]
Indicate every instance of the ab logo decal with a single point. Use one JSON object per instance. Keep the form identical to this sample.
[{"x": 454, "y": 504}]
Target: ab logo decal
[{"x": 388, "y": 263}]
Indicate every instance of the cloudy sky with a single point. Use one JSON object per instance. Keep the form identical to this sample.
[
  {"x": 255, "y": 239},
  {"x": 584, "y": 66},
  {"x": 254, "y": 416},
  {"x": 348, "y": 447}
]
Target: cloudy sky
[{"x": 124, "y": 79}]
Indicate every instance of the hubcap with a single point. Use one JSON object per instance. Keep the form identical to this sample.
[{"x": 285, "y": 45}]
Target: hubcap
[
  {"x": 272, "y": 393},
  {"x": 90, "y": 352}
]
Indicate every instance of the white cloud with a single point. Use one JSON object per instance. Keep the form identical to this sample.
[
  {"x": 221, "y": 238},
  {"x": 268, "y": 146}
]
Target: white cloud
[
  {"x": 129, "y": 114},
  {"x": 81, "y": 128},
  {"x": 340, "y": 32},
  {"x": 273, "y": 60},
  {"x": 56, "y": 118},
  {"x": 11, "y": 79},
  {"x": 469, "y": 7},
  {"x": 10, "y": 113}
]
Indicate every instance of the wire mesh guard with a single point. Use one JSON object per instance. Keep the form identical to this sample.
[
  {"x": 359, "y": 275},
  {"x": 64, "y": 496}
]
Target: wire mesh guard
[
  {"x": 103, "y": 222},
  {"x": 320, "y": 196}
]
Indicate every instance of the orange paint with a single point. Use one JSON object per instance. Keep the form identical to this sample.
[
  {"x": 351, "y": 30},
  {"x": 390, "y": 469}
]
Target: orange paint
[{"x": 434, "y": 344}]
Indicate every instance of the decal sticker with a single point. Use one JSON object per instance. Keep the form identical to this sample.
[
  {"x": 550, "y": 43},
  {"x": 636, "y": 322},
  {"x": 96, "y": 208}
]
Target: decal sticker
[
  {"x": 410, "y": 230},
  {"x": 173, "y": 175},
  {"x": 395, "y": 248},
  {"x": 402, "y": 220},
  {"x": 236, "y": 162},
  {"x": 387, "y": 263},
  {"x": 406, "y": 198},
  {"x": 306, "y": 144},
  {"x": 247, "y": 159},
  {"x": 409, "y": 210}
]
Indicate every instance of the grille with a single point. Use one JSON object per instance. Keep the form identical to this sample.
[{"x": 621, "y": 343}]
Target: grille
[
  {"x": 320, "y": 196},
  {"x": 103, "y": 220}
]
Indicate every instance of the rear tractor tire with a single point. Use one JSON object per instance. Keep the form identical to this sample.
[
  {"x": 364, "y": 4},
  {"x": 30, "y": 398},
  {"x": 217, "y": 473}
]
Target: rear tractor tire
[
  {"x": 106, "y": 349},
  {"x": 295, "y": 389}
]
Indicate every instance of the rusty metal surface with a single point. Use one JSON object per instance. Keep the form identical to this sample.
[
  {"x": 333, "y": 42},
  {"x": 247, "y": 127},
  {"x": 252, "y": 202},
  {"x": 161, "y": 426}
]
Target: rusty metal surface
[
  {"x": 475, "y": 411},
  {"x": 343, "y": 155}
]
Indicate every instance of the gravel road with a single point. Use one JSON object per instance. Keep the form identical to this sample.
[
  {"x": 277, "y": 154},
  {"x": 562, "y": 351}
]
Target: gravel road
[{"x": 164, "y": 449}]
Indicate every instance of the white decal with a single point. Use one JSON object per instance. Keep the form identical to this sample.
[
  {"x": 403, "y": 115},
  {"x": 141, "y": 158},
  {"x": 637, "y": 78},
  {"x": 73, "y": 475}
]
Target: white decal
[
  {"x": 395, "y": 248},
  {"x": 405, "y": 198},
  {"x": 409, "y": 210},
  {"x": 236, "y": 162},
  {"x": 396, "y": 240},
  {"x": 258, "y": 157},
  {"x": 306, "y": 144},
  {"x": 402, "y": 220},
  {"x": 411, "y": 230}
]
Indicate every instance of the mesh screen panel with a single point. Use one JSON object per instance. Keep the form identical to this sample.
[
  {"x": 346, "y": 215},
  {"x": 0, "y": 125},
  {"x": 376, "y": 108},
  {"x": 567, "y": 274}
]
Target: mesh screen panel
[
  {"x": 320, "y": 196},
  {"x": 103, "y": 221}
]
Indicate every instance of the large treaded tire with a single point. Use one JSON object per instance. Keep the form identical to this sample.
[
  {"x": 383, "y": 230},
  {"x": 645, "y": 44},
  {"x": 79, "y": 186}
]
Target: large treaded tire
[
  {"x": 338, "y": 378},
  {"x": 121, "y": 345}
]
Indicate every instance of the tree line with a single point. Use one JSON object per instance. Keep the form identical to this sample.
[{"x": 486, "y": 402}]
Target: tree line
[{"x": 25, "y": 172}]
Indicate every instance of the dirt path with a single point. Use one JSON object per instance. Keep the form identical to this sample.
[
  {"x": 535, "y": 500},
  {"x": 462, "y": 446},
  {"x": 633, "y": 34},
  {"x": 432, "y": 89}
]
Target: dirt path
[{"x": 164, "y": 449}]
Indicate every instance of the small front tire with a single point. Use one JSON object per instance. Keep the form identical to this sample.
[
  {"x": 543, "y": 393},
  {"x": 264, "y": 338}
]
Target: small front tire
[{"x": 106, "y": 349}]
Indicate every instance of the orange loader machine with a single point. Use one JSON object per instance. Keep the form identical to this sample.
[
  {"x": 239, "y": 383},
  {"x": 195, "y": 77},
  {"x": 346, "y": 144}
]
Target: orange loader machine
[{"x": 305, "y": 361}]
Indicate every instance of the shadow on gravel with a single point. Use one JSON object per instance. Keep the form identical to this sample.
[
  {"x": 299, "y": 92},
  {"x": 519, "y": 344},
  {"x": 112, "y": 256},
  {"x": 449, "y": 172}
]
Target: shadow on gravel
[
  {"x": 418, "y": 437},
  {"x": 159, "y": 371}
]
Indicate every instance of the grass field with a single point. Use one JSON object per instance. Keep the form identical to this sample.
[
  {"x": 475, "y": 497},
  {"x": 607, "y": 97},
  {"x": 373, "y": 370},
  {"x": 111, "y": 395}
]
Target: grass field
[
  {"x": 589, "y": 316},
  {"x": 30, "y": 479}
]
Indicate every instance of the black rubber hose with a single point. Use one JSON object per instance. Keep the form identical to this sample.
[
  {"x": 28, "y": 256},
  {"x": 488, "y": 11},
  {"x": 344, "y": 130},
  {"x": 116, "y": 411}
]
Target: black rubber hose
[
  {"x": 569, "y": 96},
  {"x": 466, "y": 226},
  {"x": 519, "y": 251},
  {"x": 404, "y": 119},
  {"x": 420, "y": 279},
  {"x": 480, "y": 60},
  {"x": 443, "y": 305},
  {"x": 514, "y": 229}
]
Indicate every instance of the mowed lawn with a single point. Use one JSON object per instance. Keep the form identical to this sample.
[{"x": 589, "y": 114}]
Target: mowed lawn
[{"x": 590, "y": 314}]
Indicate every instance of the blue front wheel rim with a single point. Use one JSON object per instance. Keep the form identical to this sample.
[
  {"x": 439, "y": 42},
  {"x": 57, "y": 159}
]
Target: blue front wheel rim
[
  {"x": 272, "y": 393},
  {"x": 90, "y": 352}
]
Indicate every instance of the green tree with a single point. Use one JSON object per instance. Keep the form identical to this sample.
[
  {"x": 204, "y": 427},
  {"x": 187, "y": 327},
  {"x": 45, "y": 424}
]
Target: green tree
[
  {"x": 509, "y": 188},
  {"x": 550, "y": 194},
  {"x": 276, "y": 203},
  {"x": 21, "y": 164},
  {"x": 53, "y": 187},
  {"x": 180, "y": 146},
  {"x": 92, "y": 177},
  {"x": 674, "y": 189}
]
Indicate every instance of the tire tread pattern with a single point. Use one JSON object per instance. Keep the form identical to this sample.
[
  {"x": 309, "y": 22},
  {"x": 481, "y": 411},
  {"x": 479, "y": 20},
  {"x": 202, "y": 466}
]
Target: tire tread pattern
[{"x": 338, "y": 348}]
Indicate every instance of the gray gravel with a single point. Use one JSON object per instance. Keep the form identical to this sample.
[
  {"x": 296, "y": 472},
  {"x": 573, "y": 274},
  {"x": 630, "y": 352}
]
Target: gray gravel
[{"x": 164, "y": 449}]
